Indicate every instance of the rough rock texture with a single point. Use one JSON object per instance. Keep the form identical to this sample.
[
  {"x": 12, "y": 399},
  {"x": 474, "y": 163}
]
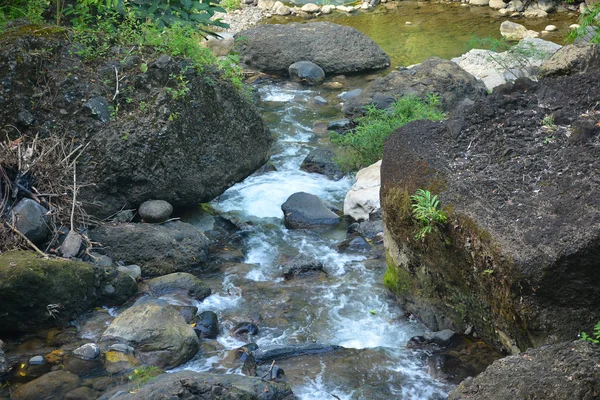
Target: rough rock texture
[
  {"x": 514, "y": 31},
  {"x": 322, "y": 161},
  {"x": 35, "y": 292},
  {"x": 336, "y": 49},
  {"x": 304, "y": 210},
  {"x": 189, "y": 385},
  {"x": 306, "y": 72},
  {"x": 157, "y": 331},
  {"x": 363, "y": 197},
  {"x": 157, "y": 249},
  {"x": 31, "y": 220},
  {"x": 518, "y": 175},
  {"x": 573, "y": 59},
  {"x": 564, "y": 371},
  {"x": 435, "y": 76},
  {"x": 179, "y": 282},
  {"x": 53, "y": 385},
  {"x": 183, "y": 149},
  {"x": 155, "y": 210}
]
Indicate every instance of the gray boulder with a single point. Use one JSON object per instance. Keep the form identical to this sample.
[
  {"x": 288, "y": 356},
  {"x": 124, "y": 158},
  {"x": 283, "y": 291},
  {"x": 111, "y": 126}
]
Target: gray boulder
[
  {"x": 157, "y": 331},
  {"x": 89, "y": 351},
  {"x": 303, "y": 265},
  {"x": 304, "y": 210},
  {"x": 53, "y": 385},
  {"x": 336, "y": 49},
  {"x": 306, "y": 72},
  {"x": 189, "y": 385},
  {"x": 322, "y": 161},
  {"x": 157, "y": 249},
  {"x": 572, "y": 59},
  {"x": 31, "y": 220},
  {"x": 155, "y": 210},
  {"x": 563, "y": 371},
  {"x": 208, "y": 325},
  {"x": 434, "y": 76},
  {"x": 177, "y": 283}
]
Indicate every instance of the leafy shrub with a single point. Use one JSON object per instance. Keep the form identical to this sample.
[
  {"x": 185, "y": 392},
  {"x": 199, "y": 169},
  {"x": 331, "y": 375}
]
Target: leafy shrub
[
  {"x": 364, "y": 145},
  {"x": 590, "y": 18},
  {"x": 196, "y": 13},
  {"x": 595, "y": 337},
  {"x": 426, "y": 211}
]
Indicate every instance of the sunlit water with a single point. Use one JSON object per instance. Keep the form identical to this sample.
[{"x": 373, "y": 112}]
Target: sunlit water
[{"x": 349, "y": 307}]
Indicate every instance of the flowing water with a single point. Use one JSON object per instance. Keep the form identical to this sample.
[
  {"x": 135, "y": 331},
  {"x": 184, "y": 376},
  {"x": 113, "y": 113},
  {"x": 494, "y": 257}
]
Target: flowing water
[{"x": 349, "y": 307}]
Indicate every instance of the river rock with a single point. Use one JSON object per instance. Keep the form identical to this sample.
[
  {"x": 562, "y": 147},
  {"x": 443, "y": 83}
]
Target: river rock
[
  {"x": 281, "y": 9},
  {"x": 189, "y": 385},
  {"x": 31, "y": 220},
  {"x": 363, "y": 197},
  {"x": 179, "y": 282},
  {"x": 55, "y": 384},
  {"x": 322, "y": 161},
  {"x": 340, "y": 125},
  {"x": 502, "y": 258},
  {"x": 310, "y": 8},
  {"x": 157, "y": 249},
  {"x": 89, "y": 351},
  {"x": 155, "y": 210},
  {"x": 336, "y": 49},
  {"x": 71, "y": 245},
  {"x": 562, "y": 371},
  {"x": 497, "y": 4},
  {"x": 279, "y": 353},
  {"x": 327, "y": 8},
  {"x": 513, "y": 31},
  {"x": 37, "y": 292},
  {"x": 4, "y": 367},
  {"x": 516, "y": 5},
  {"x": 535, "y": 13},
  {"x": 349, "y": 95},
  {"x": 157, "y": 331},
  {"x": 443, "y": 78},
  {"x": 479, "y": 2},
  {"x": 306, "y": 72},
  {"x": 220, "y": 45},
  {"x": 304, "y": 210},
  {"x": 303, "y": 265},
  {"x": 208, "y": 325},
  {"x": 572, "y": 59}
]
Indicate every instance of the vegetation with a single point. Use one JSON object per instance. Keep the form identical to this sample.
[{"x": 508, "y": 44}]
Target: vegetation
[
  {"x": 590, "y": 18},
  {"x": 364, "y": 145},
  {"x": 143, "y": 374},
  {"x": 426, "y": 211},
  {"x": 595, "y": 337}
]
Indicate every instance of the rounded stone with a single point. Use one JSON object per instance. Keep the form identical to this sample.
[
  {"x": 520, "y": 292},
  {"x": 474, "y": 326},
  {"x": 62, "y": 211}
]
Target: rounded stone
[
  {"x": 155, "y": 210},
  {"x": 37, "y": 360},
  {"x": 306, "y": 72},
  {"x": 31, "y": 220},
  {"x": 89, "y": 351},
  {"x": 550, "y": 28}
]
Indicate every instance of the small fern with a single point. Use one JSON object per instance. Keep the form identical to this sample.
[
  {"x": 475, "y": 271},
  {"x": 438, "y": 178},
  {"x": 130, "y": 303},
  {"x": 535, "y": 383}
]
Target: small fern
[
  {"x": 595, "y": 337},
  {"x": 426, "y": 211}
]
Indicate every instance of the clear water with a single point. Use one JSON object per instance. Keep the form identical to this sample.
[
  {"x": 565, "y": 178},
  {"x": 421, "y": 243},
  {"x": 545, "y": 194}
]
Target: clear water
[{"x": 349, "y": 307}]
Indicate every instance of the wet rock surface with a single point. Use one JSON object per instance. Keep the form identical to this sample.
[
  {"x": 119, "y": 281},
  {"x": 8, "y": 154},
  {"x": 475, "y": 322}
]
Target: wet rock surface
[
  {"x": 179, "y": 282},
  {"x": 304, "y": 210},
  {"x": 507, "y": 179},
  {"x": 562, "y": 371}
]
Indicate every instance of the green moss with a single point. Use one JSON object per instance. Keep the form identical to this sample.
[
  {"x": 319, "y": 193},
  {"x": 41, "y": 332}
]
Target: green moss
[{"x": 396, "y": 279}]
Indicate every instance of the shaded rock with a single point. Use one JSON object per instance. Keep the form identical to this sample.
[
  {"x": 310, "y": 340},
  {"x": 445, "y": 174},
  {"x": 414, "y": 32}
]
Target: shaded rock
[
  {"x": 82, "y": 393},
  {"x": 31, "y": 220},
  {"x": 561, "y": 371},
  {"x": 221, "y": 45},
  {"x": 37, "y": 360},
  {"x": 433, "y": 76},
  {"x": 71, "y": 245},
  {"x": 572, "y": 59},
  {"x": 303, "y": 265},
  {"x": 320, "y": 100},
  {"x": 349, "y": 95},
  {"x": 502, "y": 258},
  {"x": 306, "y": 72},
  {"x": 208, "y": 325},
  {"x": 84, "y": 368},
  {"x": 98, "y": 107},
  {"x": 157, "y": 249},
  {"x": 188, "y": 313},
  {"x": 55, "y": 384},
  {"x": 179, "y": 282},
  {"x": 89, "y": 351},
  {"x": 189, "y": 385},
  {"x": 514, "y": 31},
  {"x": 134, "y": 271},
  {"x": 322, "y": 161},
  {"x": 155, "y": 210},
  {"x": 37, "y": 292},
  {"x": 363, "y": 197},
  {"x": 303, "y": 210},
  {"x": 244, "y": 328},
  {"x": 356, "y": 243},
  {"x": 157, "y": 331},
  {"x": 367, "y": 229},
  {"x": 335, "y": 48},
  {"x": 278, "y": 353},
  {"x": 340, "y": 125}
]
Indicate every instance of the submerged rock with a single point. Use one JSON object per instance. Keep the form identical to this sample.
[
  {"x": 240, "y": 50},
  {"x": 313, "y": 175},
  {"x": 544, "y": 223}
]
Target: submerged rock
[
  {"x": 304, "y": 210},
  {"x": 157, "y": 249},
  {"x": 303, "y": 265},
  {"x": 564, "y": 371},
  {"x": 336, "y": 49},
  {"x": 208, "y": 325},
  {"x": 306, "y": 72},
  {"x": 322, "y": 161},
  {"x": 179, "y": 282},
  {"x": 523, "y": 237},
  {"x": 157, "y": 332}
]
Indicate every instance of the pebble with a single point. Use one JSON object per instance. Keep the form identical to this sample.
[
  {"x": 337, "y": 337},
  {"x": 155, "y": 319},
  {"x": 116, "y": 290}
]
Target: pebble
[
  {"x": 37, "y": 360},
  {"x": 550, "y": 28}
]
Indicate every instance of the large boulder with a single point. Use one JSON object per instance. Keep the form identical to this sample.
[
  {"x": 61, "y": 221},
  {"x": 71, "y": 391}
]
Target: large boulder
[
  {"x": 335, "y": 48},
  {"x": 37, "y": 292},
  {"x": 55, "y": 384},
  {"x": 157, "y": 249},
  {"x": 183, "y": 140},
  {"x": 443, "y": 78},
  {"x": 573, "y": 59},
  {"x": 304, "y": 210},
  {"x": 518, "y": 175},
  {"x": 179, "y": 282},
  {"x": 563, "y": 371},
  {"x": 157, "y": 331},
  {"x": 32, "y": 220},
  {"x": 190, "y": 385},
  {"x": 362, "y": 199}
]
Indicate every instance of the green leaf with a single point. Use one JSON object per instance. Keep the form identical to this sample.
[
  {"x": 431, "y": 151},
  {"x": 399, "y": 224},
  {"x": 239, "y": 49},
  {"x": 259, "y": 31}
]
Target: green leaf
[{"x": 144, "y": 67}]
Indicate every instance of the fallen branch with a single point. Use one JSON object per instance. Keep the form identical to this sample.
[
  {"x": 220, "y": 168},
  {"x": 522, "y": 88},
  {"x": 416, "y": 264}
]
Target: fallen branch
[{"x": 29, "y": 242}]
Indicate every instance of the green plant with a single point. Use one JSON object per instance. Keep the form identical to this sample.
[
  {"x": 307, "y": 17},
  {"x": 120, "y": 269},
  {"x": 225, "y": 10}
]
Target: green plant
[
  {"x": 231, "y": 5},
  {"x": 364, "y": 145},
  {"x": 426, "y": 211},
  {"x": 595, "y": 337},
  {"x": 588, "y": 20},
  {"x": 143, "y": 374},
  {"x": 193, "y": 13},
  {"x": 548, "y": 121}
]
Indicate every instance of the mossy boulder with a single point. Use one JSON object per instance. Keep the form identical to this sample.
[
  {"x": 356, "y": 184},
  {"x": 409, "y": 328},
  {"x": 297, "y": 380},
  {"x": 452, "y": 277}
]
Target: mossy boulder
[
  {"x": 37, "y": 292},
  {"x": 518, "y": 259}
]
